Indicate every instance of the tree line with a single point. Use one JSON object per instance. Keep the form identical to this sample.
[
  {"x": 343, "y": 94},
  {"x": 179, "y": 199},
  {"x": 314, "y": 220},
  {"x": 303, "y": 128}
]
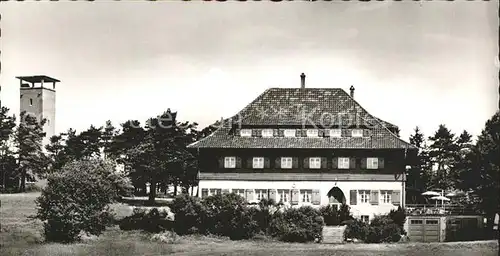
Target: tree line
[{"x": 154, "y": 152}]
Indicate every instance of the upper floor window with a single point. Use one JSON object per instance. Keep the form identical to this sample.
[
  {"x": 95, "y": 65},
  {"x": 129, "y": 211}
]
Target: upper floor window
[
  {"x": 372, "y": 163},
  {"x": 267, "y": 133},
  {"x": 31, "y": 102},
  {"x": 312, "y": 133},
  {"x": 357, "y": 133},
  {"x": 286, "y": 162},
  {"x": 364, "y": 196},
  {"x": 258, "y": 162},
  {"x": 335, "y": 133},
  {"x": 343, "y": 162},
  {"x": 289, "y": 133},
  {"x": 386, "y": 196},
  {"x": 315, "y": 162},
  {"x": 229, "y": 162},
  {"x": 246, "y": 133}
]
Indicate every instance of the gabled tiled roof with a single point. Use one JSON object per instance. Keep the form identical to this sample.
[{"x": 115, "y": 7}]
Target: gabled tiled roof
[{"x": 308, "y": 107}]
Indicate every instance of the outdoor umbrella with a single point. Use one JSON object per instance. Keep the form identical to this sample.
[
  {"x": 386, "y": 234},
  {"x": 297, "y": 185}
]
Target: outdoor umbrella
[
  {"x": 441, "y": 198},
  {"x": 431, "y": 193}
]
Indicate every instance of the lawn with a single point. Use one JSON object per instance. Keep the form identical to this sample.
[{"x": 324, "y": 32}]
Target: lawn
[{"x": 21, "y": 235}]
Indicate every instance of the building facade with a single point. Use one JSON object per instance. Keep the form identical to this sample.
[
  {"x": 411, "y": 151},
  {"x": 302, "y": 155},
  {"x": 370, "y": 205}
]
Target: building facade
[{"x": 306, "y": 146}]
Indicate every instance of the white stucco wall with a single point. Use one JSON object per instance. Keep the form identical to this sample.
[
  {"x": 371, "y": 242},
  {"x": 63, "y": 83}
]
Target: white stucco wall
[{"x": 324, "y": 187}]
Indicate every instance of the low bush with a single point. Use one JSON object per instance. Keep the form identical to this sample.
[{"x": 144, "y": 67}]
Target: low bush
[
  {"x": 76, "y": 199},
  {"x": 228, "y": 215},
  {"x": 382, "y": 229},
  {"x": 356, "y": 229},
  {"x": 398, "y": 216},
  {"x": 334, "y": 216},
  {"x": 189, "y": 214},
  {"x": 304, "y": 224},
  {"x": 153, "y": 221}
]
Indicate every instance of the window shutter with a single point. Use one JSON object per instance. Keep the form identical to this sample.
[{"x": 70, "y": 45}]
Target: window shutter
[
  {"x": 320, "y": 133},
  {"x": 306, "y": 162},
  {"x": 324, "y": 162},
  {"x": 295, "y": 162},
  {"x": 277, "y": 163},
  {"x": 254, "y": 133},
  {"x": 381, "y": 163},
  {"x": 221, "y": 162},
  {"x": 374, "y": 197},
  {"x": 267, "y": 162},
  {"x": 352, "y": 163},
  {"x": 353, "y": 197},
  {"x": 396, "y": 197},
  {"x": 295, "y": 197},
  {"x": 316, "y": 197},
  {"x": 272, "y": 194},
  {"x": 225, "y": 191},
  {"x": 238, "y": 162},
  {"x": 281, "y": 133},
  {"x": 249, "y": 194},
  {"x": 363, "y": 163},
  {"x": 275, "y": 132},
  {"x": 204, "y": 191},
  {"x": 250, "y": 163},
  {"x": 335, "y": 163}
]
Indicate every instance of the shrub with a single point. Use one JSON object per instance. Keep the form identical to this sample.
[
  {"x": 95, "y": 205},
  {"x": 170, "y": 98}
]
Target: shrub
[
  {"x": 77, "y": 198},
  {"x": 189, "y": 214},
  {"x": 356, "y": 229},
  {"x": 383, "y": 229},
  {"x": 302, "y": 224},
  {"x": 154, "y": 221},
  {"x": 398, "y": 216},
  {"x": 334, "y": 217},
  {"x": 228, "y": 215}
]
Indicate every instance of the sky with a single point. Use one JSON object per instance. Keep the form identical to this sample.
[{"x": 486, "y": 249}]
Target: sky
[{"x": 412, "y": 63}]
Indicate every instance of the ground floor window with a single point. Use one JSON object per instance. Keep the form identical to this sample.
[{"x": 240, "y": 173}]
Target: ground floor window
[
  {"x": 215, "y": 191},
  {"x": 261, "y": 194},
  {"x": 306, "y": 196},
  {"x": 240, "y": 192},
  {"x": 284, "y": 195},
  {"x": 365, "y": 218}
]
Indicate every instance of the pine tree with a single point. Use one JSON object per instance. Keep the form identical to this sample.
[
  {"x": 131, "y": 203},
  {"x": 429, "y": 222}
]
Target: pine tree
[
  {"x": 108, "y": 135},
  {"x": 484, "y": 175},
  {"x": 418, "y": 177},
  {"x": 442, "y": 152},
  {"x": 28, "y": 139},
  {"x": 462, "y": 161},
  {"x": 8, "y": 162}
]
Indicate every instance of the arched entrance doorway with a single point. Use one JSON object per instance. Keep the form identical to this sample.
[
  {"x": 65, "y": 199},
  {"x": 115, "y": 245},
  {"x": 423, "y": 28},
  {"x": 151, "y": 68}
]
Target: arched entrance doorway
[{"x": 336, "y": 196}]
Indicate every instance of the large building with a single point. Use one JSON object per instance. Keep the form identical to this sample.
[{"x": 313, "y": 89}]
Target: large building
[
  {"x": 307, "y": 146},
  {"x": 38, "y": 98}
]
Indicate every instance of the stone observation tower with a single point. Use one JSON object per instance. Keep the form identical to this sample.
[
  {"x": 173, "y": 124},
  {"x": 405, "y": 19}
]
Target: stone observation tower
[{"x": 38, "y": 98}]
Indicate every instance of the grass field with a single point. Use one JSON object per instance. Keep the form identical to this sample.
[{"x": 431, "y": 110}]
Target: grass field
[{"x": 21, "y": 235}]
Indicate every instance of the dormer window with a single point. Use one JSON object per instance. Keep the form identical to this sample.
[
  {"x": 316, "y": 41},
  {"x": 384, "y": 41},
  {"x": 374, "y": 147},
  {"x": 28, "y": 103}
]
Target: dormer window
[
  {"x": 337, "y": 133},
  {"x": 289, "y": 133},
  {"x": 357, "y": 133},
  {"x": 246, "y": 133},
  {"x": 312, "y": 133},
  {"x": 267, "y": 133}
]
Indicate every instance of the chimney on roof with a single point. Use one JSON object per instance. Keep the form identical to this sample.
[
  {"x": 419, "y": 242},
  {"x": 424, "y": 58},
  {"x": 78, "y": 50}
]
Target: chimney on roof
[
  {"x": 352, "y": 91},
  {"x": 302, "y": 81}
]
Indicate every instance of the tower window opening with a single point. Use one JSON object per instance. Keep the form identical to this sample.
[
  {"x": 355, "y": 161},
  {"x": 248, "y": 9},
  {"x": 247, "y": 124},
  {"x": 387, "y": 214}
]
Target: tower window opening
[{"x": 31, "y": 102}]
